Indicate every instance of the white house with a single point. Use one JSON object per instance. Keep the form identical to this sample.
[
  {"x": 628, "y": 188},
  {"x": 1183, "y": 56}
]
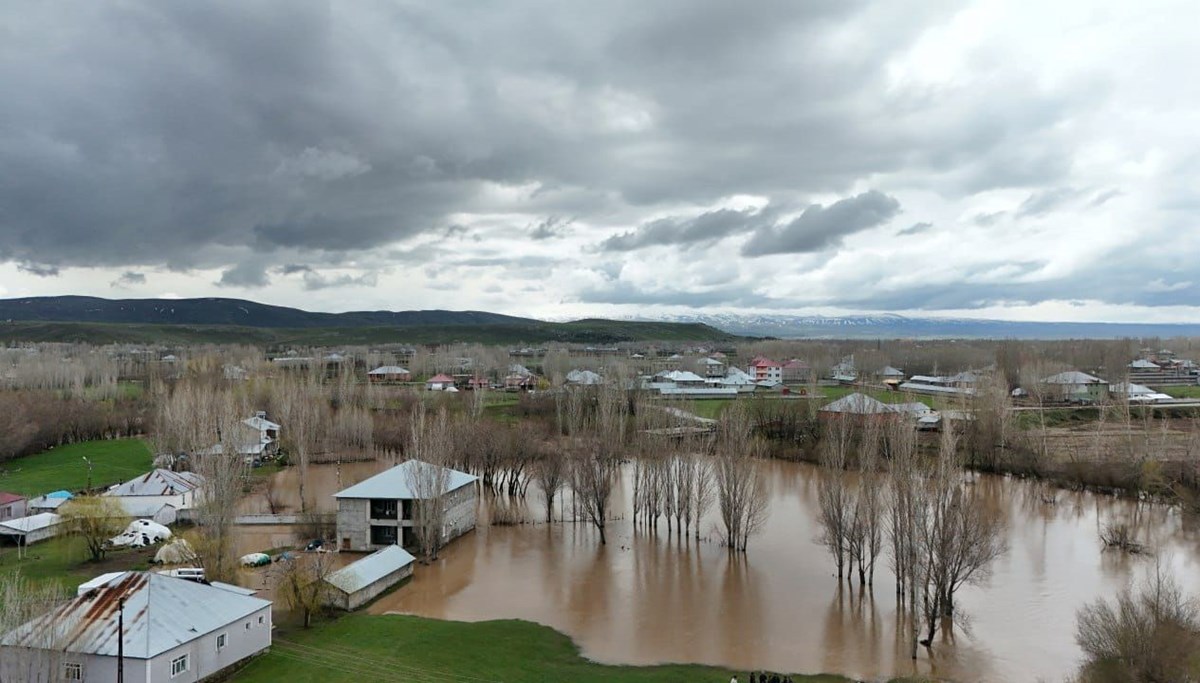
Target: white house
[
  {"x": 170, "y": 630},
  {"x": 362, "y": 581},
  {"x": 31, "y": 529},
  {"x": 145, "y": 496},
  {"x": 1076, "y": 386},
  {"x": 378, "y": 512}
]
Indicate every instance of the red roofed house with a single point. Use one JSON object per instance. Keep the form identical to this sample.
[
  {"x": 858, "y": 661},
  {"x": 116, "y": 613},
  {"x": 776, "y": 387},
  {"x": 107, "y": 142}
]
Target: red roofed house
[
  {"x": 12, "y": 506},
  {"x": 439, "y": 382},
  {"x": 765, "y": 370}
]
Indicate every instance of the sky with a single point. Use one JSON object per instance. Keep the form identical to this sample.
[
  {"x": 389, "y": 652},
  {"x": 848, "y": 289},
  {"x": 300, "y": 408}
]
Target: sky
[{"x": 991, "y": 159}]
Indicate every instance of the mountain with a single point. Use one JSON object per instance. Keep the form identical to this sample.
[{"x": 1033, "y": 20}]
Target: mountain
[
  {"x": 892, "y": 326},
  {"x": 235, "y": 321},
  {"x": 217, "y": 311}
]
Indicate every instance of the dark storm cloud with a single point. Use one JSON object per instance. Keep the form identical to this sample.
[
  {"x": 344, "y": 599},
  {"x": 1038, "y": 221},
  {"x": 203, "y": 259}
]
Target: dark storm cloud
[
  {"x": 915, "y": 229},
  {"x": 247, "y": 274},
  {"x": 622, "y": 292},
  {"x": 38, "y": 269},
  {"x": 129, "y": 278},
  {"x": 293, "y": 268},
  {"x": 819, "y": 227},
  {"x": 705, "y": 228},
  {"x": 314, "y": 280}
]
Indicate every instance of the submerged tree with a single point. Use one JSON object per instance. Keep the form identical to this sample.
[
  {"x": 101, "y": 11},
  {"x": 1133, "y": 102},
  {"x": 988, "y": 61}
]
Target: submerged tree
[
  {"x": 429, "y": 479},
  {"x": 739, "y": 483},
  {"x": 833, "y": 494}
]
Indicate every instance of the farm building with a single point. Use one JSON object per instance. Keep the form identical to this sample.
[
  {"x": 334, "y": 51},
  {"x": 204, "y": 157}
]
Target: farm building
[
  {"x": 26, "y": 530},
  {"x": 362, "y": 581},
  {"x": 796, "y": 370},
  {"x": 12, "y": 505},
  {"x": 378, "y": 511},
  {"x": 171, "y": 629},
  {"x": 49, "y": 502},
  {"x": 144, "y": 496},
  {"x": 862, "y": 406},
  {"x": 1076, "y": 387},
  {"x": 388, "y": 373}
]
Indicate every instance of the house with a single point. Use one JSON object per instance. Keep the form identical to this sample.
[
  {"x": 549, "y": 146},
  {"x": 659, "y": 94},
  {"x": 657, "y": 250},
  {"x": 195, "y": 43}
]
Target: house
[
  {"x": 12, "y": 505},
  {"x": 164, "y": 629},
  {"x": 844, "y": 372},
  {"x": 267, "y": 431},
  {"x": 1137, "y": 393},
  {"x": 378, "y": 511},
  {"x": 858, "y": 404},
  {"x": 680, "y": 378},
  {"x": 890, "y": 375},
  {"x": 49, "y": 502},
  {"x": 1076, "y": 387},
  {"x": 712, "y": 367},
  {"x": 796, "y": 370},
  {"x": 362, "y": 581},
  {"x": 144, "y": 496},
  {"x": 935, "y": 386},
  {"x": 519, "y": 382},
  {"x": 386, "y": 374},
  {"x": 26, "y": 530},
  {"x": 765, "y": 370},
  {"x": 439, "y": 382},
  {"x": 478, "y": 382}
]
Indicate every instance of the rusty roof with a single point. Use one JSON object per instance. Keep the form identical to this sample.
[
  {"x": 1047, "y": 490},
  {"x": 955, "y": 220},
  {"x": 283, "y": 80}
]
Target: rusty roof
[{"x": 160, "y": 613}]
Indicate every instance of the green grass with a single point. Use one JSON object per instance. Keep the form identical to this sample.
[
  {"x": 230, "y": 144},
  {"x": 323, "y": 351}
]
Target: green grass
[
  {"x": 65, "y": 560},
  {"x": 1182, "y": 392},
  {"x": 710, "y": 408},
  {"x": 834, "y": 393},
  {"x": 114, "y": 461},
  {"x": 362, "y": 647}
]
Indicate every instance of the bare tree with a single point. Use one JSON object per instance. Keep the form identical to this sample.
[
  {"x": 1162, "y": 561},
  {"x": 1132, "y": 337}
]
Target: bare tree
[
  {"x": 551, "y": 472},
  {"x": 596, "y": 459},
  {"x": 33, "y": 639},
  {"x": 834, "y": 500},
  {"x": 302, "y": 583},
  {"x": 1150, "y": 635},
  {"x": 429, "y": 479},
  {"x": 224, "y": 472},
  {"x": 95, "y": 519},
  {"x": 740, "y": 484}
]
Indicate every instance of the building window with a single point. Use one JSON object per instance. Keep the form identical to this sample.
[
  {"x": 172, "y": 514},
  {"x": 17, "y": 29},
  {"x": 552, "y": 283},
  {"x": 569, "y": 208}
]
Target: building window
[
  {"x": 383, "y": 509},
  {"x": 383, "y": 535},
  {"x": 262, "y": 620},
  {"x": 179, "y": 665},
  {"x": 222, "y": 641},
  {"x": 72, "y": 671}
]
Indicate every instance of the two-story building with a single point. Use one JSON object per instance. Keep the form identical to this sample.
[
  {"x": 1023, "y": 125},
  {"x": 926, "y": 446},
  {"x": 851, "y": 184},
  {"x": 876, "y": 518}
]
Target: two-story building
[{"x": 378, "y": 512}]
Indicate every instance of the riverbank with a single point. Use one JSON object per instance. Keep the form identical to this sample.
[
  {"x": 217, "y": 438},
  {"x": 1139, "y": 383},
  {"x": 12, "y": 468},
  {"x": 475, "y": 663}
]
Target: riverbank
[{"x": 360, "y": 647}]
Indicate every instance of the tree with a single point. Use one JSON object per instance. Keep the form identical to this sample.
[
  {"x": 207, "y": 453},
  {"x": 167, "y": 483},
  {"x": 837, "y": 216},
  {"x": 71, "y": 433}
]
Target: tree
[
  {"x": 302, "y": 583},
  {"x": 428, "y": 479},
  {"x": 1150, "y": 635},
  {"x": 740, "y": 485},
  {"x": 551, "y": 472},
  {"x": 95, "y": 519},
  {"x": 224, "y": 472},
  {"x": 39, "y": 652},
  {"x": 598, "y": 456},
  {"x": 833, "y": 495}
]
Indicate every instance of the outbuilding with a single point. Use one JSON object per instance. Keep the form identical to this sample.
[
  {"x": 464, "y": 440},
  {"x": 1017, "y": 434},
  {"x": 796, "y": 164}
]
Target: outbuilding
[
  {"x": 31, "y": 529},
  {"x": 12, "y": 505},
  {"x": 362, "y": 581}
]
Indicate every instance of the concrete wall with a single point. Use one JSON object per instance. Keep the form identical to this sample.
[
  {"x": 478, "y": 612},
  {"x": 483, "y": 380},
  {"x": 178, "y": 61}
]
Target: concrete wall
[
  {"x": 247, "y": 637},
  {"x": 352, "y": 601},
  {"x": 354, "y": 523}
]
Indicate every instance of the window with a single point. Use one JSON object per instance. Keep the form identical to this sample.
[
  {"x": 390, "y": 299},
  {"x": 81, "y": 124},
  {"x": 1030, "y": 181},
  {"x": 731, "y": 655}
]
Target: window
[
  {"x": 262, "y": 620},
  {"x": 383, "y": 509},
  {"x": 72, "y": 671},
  {"x": 222, "y": 641},
  {"x": 383, "y": 535},
  {"x": 247, "y": 626},
  {"x": 179, "y": 665}
]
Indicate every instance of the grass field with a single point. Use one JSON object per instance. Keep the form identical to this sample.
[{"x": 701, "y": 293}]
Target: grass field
[
  {"x": 65, "y": 560},
  {"x": 114, "y": 461},
  {"x": 1182, "y": 392},
  {"x": 361, "y": 647}
]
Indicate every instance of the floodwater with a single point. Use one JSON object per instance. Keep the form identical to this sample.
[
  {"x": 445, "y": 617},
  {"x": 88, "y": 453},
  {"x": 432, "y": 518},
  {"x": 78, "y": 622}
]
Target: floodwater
[{"x": 652, "y": 598}]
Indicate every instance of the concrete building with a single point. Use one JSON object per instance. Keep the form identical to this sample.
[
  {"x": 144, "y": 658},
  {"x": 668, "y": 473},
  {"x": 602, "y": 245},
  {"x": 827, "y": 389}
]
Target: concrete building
[
  {"x": 171, "y": 630},
  {"x": 378, "y": 512},
  {"x": 27, "y": 530},
  {"x": 12, "y": 506},
  {"x": 765, "y": 370},
  {"x": 1076, "y": 387},
  {"x": 362, "y": 581}
]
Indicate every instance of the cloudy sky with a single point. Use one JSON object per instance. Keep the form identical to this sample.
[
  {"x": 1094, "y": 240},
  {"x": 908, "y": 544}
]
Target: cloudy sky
[{"x": 1009, "y": 159}]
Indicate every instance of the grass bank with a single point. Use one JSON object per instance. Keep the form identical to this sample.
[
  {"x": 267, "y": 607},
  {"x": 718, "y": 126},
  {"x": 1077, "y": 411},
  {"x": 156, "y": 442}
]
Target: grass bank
[
  {"x": 113, "y": 461},
  {"x": 65, "y": 560},
  {"x": 362, "y": 647}
]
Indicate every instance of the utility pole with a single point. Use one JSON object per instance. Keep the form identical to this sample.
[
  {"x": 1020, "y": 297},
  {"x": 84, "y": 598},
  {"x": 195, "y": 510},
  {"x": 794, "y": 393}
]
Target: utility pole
[
  {"x": 121, "y": 640},
  {"x": 89, "y": 466}
]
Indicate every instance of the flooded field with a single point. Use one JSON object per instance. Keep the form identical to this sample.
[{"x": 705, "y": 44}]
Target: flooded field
[{"x": 651, "y": 597}]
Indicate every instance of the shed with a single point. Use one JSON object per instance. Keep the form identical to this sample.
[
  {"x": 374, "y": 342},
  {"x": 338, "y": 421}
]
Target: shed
[
  {"x": 362, "y": 581},
  {"x": 47, "y": 503},
  {"x": 26, "y": 530}
]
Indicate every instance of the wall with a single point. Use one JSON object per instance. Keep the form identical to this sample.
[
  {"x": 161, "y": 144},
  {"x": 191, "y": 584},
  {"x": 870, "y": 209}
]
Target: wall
[
  {"x": 460, "y": 512},
  {"x": 352, "y": 523},
  {"x": 246, "y": 638},
  {"x": 359, "y": 598},
  {"x": 13, "y": 510}
]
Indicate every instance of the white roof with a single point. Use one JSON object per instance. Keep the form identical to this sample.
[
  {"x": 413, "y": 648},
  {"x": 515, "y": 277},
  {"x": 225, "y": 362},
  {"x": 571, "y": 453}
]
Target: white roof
[
  {"x": 1073, "y": 377},
  {"x": 42, "y": 502},
  {"x": 710, "y": 361},
  {"x": 393, "y": 483},
  {"x": 860, "y": 404},
  {"x": 160, "y": 614},
  {"x": 159, "y": 482},
  {"x": 260, "y": 423},
  {"x": 1132, "y": 389},
  {"x": 24, "y": 525},
  {"x": 889, "y": 371},
  {"x": 583, "y": 377},
  {"x": 388, "y": 370},
  {"x": 1143, "y": 363},
  {"x": 681, "y": 376},
  {"x": 358, "y": 575}
]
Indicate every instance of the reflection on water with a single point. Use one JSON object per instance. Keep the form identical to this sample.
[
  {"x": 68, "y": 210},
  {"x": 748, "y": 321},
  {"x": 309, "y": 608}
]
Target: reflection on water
[{"x": 652, "y": 597}]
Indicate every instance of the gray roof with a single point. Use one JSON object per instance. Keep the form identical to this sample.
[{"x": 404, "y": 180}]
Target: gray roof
[
  {"x": 889, "y": 371},
  {"x": 389, "y": 370},
  {"x": 583, "y": 377},
  {"x": 1143, "y": 363},
  {"x": 1073, "y": 377},
  {"x": 358, "y": 575},
  {"x": 161, "y": 613},
  {"x": 159, "y": 482},
  {"x": 394, "y": 483},
  {"x": 24, "y": 525},
  {"x": 43, "y": 502},
  {"x": 860, "y": 404}
]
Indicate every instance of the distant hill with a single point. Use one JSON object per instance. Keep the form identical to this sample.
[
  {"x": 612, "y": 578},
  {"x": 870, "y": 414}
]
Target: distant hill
[
  {"x": 235, "y": 321},
  {"x": 891, "y": 326}
]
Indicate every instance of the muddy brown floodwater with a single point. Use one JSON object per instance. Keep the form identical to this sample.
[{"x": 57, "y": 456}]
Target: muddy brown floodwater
[{"x": 651, "y": 598}]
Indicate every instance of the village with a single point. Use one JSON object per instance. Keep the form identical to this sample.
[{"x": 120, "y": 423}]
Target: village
[{"x": 236, "y": 526}]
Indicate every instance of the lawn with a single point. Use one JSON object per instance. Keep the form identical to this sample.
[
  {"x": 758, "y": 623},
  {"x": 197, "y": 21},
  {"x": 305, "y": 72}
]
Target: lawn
[
  {"x": 65, "y": 559},
  {"x": 1182, "y": 392},
  {"x": 710, "y": 408},
  {"x": 114, "y": 461},
  {"x": 362, "y": 647}
]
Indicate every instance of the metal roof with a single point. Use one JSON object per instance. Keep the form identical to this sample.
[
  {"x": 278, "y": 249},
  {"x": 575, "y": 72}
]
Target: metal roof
[
  {"x": 889, "y": 371},
  {"x": 860, "y": 404},
  {"x": 389, "y": 370},
  {"x": 394, "y": 483},
  {"x": 583, "y": 377},
  {"x": 159, "y": 482},
  {"x": 24, "y": 525},
  {"x": 44, "y": 503},
  {"x": 362, "y": 573},
  {"x": 440, "y": 378},
  {"x": 1073, "y": 377},
  {"x": 6, "y": 497},
  {"x": 261, "y": 424},
  {"x": 1143, "y": 363},
  {"x": 160, "y": 613}
]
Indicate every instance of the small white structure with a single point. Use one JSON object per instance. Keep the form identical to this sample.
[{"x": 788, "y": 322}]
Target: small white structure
[
  {"x": 141, "y": 533},
  {"x": 378, "y": 511},
  {"x": 145, "y": 495},
  {"x": 172, "y": 630},
  {"x": 360, "y": 582},
  {"x": 49, "y": 502},
  {"x": 31, "y": 529}
]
